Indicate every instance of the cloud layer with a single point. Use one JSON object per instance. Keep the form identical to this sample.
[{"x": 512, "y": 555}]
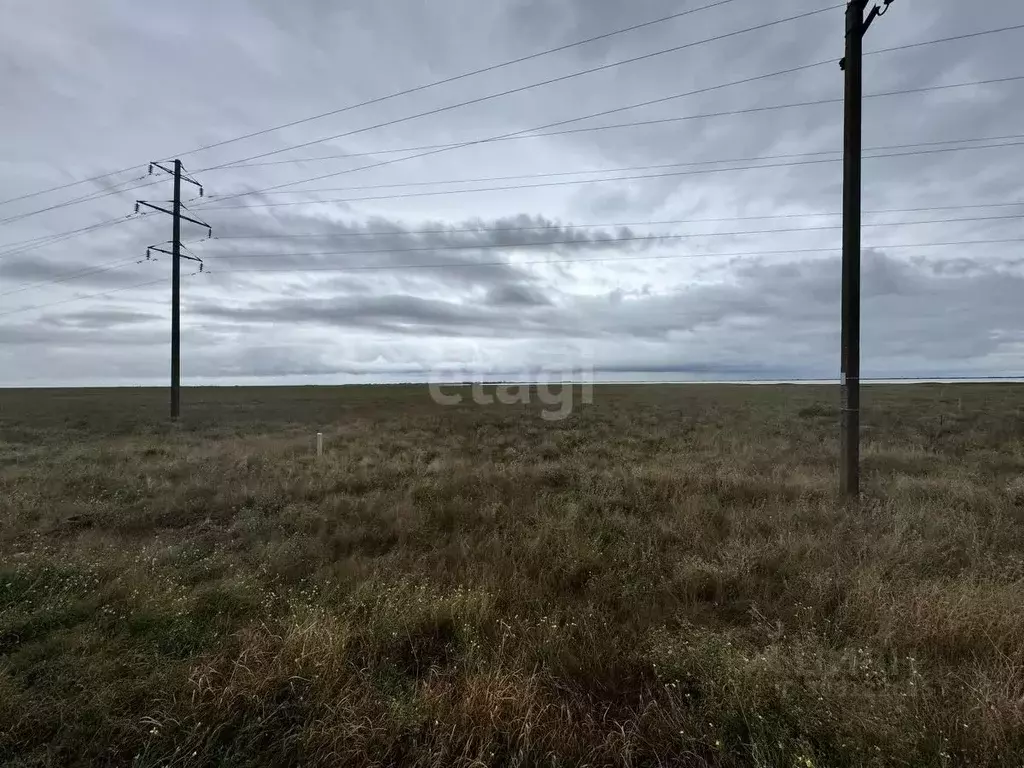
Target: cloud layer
[{"x": 723, "y": 268}]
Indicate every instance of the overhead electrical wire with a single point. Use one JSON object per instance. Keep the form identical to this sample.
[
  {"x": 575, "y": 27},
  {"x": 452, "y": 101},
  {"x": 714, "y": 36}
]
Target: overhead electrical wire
[
  {"x": 515, "y": 135},
  {"x": 100, "y": 294},
  {"x": 663, "y": 99},
  {"x": 88, "y": 198},
  {"x": 386, "y": 97},
  {"x": 538, "y": 185},
  {"x": 43, "y": 241},
  {"x": 919, "y": 209},
  {"x": 52, "y": 239},
  {"x": 107, "y": 193},
  {"x": 476, "y": 100},
  {"x": 70, "y": 184},
  {"x": 83, "y": 199},
  {"x": 640, "y": 123},
  {"x": 747, "y": 159},
  {"x": 481, "y": 99},
  {"x": 610, "y": 225},
  {"x": 656, "y": 257},
  {"x": 33, "y": 243},
  {"x": 473, "y": 265},
  {"x": 468, "y": 265},
  {"x": 482, "y": 70},
  {"x": 77, "y": 200},
  {"x": 631, "y": 124},
  {"x": 542, "y": 83},
  {"x": 98, "y": 269},
  {"x": 107, "y": 266},
  {"x": 38, "y": 238},
  {"x": 592, "y": 243},
  {"x": 47, "y": 240}
]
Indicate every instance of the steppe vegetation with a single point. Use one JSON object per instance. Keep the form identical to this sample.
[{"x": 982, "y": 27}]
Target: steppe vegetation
[{"x": 663, "y": 578}]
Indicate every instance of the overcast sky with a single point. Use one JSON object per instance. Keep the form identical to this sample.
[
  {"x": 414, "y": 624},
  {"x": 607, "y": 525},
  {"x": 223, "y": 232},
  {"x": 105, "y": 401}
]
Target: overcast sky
[{"x": 499, "y": 284}]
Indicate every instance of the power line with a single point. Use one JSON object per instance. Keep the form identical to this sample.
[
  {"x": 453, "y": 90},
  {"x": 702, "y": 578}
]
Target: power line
[
  {"x": 464, "y": 75},
  {"x": 539, "y": 84},
  {"x": 708, "y": 89},
  {"x": 100, "y": 195},
  {"x": 387, "y": 97},
  {"x": 631, "y": 124},
  {"x": 39, "y": 238},
  {"x": 601, "y": 259},
  {"x": 70, "y": 184},
  {"x": 649, "y": 167},
  {"x": 88, "y": 198},
  {"x": 92, "y": 196},
  {"x": 106, "y": 267},
  {"x": 538, "y": 185},
  {"x": 96, "y": 196},
  {"x": 98, "y": 269},
  {"x": 74, "y": 201},
  {"x": 478, "y": 100},
  {"x": 107, "y": 193},
  {"x": 510, "y": 136},
  {"x": 599, "y": 242},
  {"x": 920, "y": 209},
  {"x": 47, "y": 240},
  {"x": 90, "y": 296},
  {"x": 460, "y": 265},
  {"x": 487, "y": 230}
]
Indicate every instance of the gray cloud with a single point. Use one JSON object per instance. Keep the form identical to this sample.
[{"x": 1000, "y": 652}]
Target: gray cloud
[
  {"x": 27, "y": 271},
  {"x": 101, "y": 318},
  {"x": 54, "y": 336},
  {"x": 768, "y": 308},
  {"x": 518, "y": 295},
  {"x": 304, "y": 237},
  {"x": 77, "y": 98}
]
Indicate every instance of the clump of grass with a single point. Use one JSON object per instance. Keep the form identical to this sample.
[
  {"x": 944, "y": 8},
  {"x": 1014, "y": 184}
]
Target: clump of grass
[{"x": 663, "y": 578}]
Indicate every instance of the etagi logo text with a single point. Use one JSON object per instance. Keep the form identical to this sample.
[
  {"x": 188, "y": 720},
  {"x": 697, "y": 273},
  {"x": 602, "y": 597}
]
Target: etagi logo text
[{"x": 560, "y": 394}]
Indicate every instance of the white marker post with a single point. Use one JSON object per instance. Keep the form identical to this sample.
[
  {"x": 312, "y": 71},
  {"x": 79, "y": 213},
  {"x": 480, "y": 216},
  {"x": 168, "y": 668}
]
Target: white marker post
[{"x": 319, "y": 443}]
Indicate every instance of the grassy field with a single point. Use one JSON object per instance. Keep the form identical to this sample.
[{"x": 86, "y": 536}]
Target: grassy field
[{"x": 663, "y": 578}]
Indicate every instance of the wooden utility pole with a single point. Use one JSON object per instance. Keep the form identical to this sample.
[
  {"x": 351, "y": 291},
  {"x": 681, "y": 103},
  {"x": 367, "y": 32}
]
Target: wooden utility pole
[
  {"x": 176, "y": 257},
  {"x": 849, "y": 441}
]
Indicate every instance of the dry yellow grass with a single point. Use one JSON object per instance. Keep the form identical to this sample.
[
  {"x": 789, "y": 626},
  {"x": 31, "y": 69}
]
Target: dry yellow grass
[{"x": 664, "y": 578}]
